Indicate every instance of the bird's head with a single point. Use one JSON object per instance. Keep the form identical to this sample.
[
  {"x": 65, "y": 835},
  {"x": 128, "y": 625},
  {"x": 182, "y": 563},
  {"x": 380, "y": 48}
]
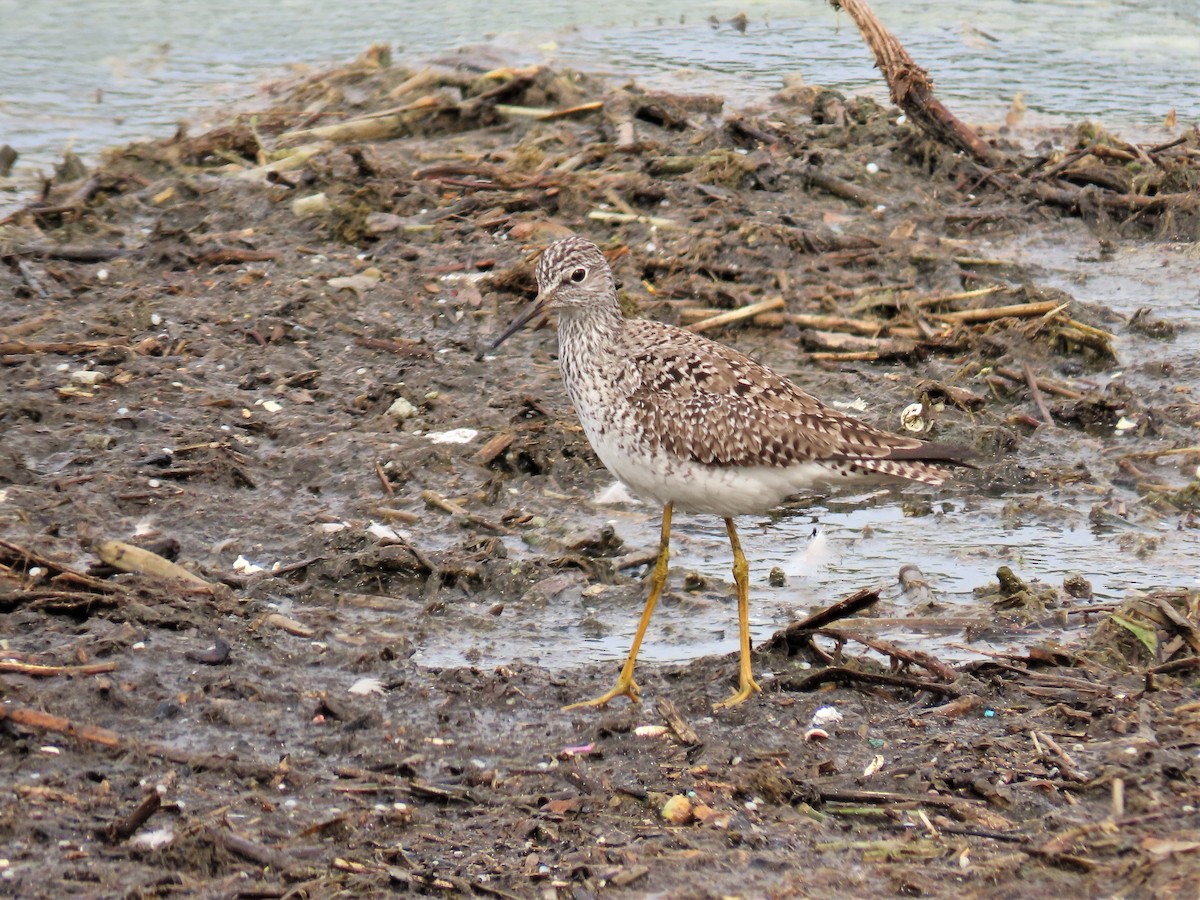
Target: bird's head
[{"x": 571, "y": 274}]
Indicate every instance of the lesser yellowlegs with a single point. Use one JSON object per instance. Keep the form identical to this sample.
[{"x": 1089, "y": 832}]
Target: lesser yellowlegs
[{"x": 695, "y": 425}]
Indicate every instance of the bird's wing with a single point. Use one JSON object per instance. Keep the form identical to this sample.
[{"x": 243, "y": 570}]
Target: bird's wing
[{"x": 708, "y": 403}]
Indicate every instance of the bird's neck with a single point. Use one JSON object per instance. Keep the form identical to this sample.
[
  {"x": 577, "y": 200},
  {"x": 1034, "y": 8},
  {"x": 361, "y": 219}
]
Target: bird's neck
[
  {"x": 588, "y": 339},
  {"x": 589, "y": 330}
]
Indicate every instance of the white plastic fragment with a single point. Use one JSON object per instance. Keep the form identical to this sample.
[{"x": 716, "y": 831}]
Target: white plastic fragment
[{"x": 87, "y": 376}]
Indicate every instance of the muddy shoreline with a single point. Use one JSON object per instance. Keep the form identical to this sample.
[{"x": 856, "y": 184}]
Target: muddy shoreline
[{"x": 255, "y": 352}]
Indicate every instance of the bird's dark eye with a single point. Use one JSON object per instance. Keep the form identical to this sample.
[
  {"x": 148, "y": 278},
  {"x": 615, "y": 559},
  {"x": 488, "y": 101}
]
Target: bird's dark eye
[{"x": 578, "y": 275}]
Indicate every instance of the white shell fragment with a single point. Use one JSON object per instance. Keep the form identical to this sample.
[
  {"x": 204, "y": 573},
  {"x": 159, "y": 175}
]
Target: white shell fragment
[
  {"x": 650, "y": 731},
  {"x": 826, "y": 715},
  {"x": 454, "y": 436},
  {"x": 312, "y": 205},
  {"x": 401, "y": 409},
  {"x": 243, "y": 566},
  {"x": 152, "y": 840},
  {"x": 384, "y": 532},
  {"x": 365, "y": 686},
  {"x": 913, "y": 419}
]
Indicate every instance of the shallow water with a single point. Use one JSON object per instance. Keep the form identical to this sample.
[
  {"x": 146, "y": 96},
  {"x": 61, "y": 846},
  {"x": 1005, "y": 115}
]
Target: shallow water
[
  {"x": 118, "y": 70},
  {"x": 957, "y": 552}
]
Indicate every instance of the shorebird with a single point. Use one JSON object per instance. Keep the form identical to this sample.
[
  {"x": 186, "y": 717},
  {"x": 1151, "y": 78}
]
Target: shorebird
[{"x": 692, "y": 424}]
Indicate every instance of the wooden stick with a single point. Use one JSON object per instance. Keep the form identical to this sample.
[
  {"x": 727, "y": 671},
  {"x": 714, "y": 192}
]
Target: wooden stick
[
  {"x": 840, "y": 187},
  {"x": 911, "y": 87},
  {"x": 1043, "y": 385},
  {"x": 40, "y": 721},
  {"x": 798, "y": 635},
  {"x": 1015, "y": 310},
  {"x": 384, "y": 480},
  {"x": 849, "y": 676},
  {"x": 854, "y": 356},
  {"x": 1152, "y": 454},
  {"x": 36, "y": 671},
  {"x": 125, "y": 827},
  {"x": 1036, "y": 393},
  {"x": 926, "y": 661},
  {"x": 17, "y": 348},
  {"x": 737, "y": 315},
  {"x": 433, "y": 498},
  {"x": 961, "y": 295}
]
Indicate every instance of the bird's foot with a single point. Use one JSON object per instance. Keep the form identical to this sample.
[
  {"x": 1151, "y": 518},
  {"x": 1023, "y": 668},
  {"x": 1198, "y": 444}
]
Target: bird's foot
[
  {"x": 748, "y": 688},
  {"x": 623, "y": 688}
]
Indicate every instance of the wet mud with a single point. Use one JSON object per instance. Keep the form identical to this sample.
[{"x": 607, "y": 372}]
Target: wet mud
[{"x": 259, "y": 354}]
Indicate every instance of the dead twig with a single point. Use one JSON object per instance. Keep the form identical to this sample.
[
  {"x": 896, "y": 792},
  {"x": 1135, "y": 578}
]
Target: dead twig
[
  {"x": 678, "y": 725},
  {"x": 1036, "y": 393},
  {"x": 911, "y": 87},
  {"x": 988, "y": 314},
  {"x": 929, "y": 663},
  {"x": 798, "y": 635},
  {"x": 223, "y": 836},
  {"x": 737, "y": 315},
  {"x": 848, "y": 676},
  {"x": 40, "y": 721},
  {"x": 125, "y": 827},
  {"x": 433, "y": 498},
  {"x": 36, "y": 671},
  {"x": 840, "y": 187}
]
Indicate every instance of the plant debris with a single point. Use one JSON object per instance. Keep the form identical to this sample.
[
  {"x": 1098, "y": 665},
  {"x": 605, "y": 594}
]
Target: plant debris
[{"x": 285, "y": 420}]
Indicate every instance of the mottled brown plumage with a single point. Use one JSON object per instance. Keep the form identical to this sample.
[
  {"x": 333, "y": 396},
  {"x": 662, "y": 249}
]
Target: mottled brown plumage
[{"x": 691, "y": 423}]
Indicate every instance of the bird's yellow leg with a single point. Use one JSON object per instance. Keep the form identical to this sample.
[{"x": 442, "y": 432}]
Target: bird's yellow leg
[
  {"x": 626, "y": 686},
  {"x": 741, "y": 577}
]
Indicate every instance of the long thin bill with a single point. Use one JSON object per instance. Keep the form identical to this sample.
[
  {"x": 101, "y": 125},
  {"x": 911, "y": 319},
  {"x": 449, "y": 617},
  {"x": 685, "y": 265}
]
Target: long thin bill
[{"x": 535, "y": 309}]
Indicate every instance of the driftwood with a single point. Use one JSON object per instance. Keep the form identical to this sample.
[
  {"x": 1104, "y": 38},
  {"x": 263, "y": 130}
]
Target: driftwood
[{"x": 911, "y": 87}]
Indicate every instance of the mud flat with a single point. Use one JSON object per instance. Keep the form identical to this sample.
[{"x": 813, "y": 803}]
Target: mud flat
[{"x": 253, "y": 461}]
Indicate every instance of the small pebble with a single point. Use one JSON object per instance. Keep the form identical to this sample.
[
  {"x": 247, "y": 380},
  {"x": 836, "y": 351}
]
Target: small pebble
[
  {"x": 401, "y": 409},
  {"x": 677, "y": 810}
]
